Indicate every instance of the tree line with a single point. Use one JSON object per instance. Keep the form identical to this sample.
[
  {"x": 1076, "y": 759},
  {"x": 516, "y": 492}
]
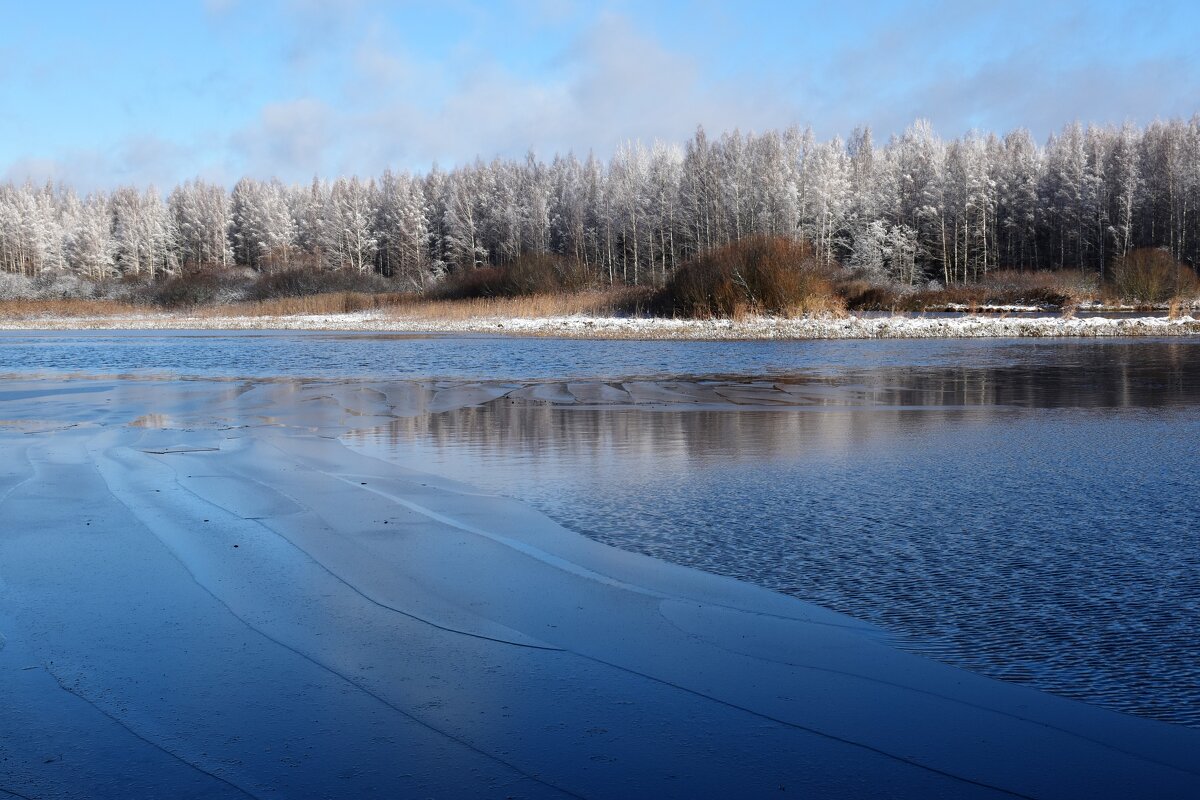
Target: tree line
[{"x": 915, "y": 209}]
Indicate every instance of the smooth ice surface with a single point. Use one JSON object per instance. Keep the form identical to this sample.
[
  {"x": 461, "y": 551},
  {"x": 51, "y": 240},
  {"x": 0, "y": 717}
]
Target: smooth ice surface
[
  {"x": 1052, "y": 547},
  {"x": 205, "y": 593}
]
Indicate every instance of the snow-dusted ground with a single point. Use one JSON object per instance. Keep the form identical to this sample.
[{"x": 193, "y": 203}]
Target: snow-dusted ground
[
  {"x": 850, "y": 327},
  {"x": 205, "y": 593}
]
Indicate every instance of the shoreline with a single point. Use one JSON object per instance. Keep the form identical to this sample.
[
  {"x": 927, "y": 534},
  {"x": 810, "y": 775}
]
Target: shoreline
[{"x": 611, "y": 327}]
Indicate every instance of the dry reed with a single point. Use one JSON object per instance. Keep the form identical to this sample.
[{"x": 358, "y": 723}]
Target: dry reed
[
  {"x": 68, "y": 308},
  {"x": 538, "y": 306},
  {"x": 324, "y": 303}
]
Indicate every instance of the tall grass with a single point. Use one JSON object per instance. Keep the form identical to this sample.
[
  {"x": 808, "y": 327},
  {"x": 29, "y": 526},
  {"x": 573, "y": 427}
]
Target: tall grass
[
  {"x": 69, "y": 308},
  {"x": 619, "y": 301},
  {"x": 609, "y": 302},
  {"x": 324, "y": 303}
]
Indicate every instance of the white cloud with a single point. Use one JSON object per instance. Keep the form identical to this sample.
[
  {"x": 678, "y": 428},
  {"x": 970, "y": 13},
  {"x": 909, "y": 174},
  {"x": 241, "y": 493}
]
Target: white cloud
[
  {"x": 218, "y": 7},
  {"x": 611, "y": 84},
  {"x": 290, "y": 138},
  {"x": 354, "y": 93},
  {"x": 141, "y": 160}
]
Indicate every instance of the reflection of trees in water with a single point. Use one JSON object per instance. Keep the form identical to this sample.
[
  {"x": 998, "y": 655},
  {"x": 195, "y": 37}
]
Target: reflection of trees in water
[
  {"x": 1088, "y": 375},
  {"x": 550, "y": 433},
  {"x": 847, "y": 411}
]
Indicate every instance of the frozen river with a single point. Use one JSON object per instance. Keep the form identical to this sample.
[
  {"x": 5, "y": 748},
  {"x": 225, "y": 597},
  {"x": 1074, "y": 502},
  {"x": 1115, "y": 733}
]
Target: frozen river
[{"x": 1023, "y": 510}]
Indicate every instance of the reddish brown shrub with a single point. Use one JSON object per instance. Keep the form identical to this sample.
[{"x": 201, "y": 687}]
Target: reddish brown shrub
[
  {"x": 531, "y": 274},
  {"x": 760, "y": 274},
  {"x": 1151, "y": 275}
]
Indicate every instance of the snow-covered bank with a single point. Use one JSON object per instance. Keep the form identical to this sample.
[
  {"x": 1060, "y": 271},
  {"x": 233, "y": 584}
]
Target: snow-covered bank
[
  {"x": 850, "y": 327},
  {"x": 206, "y": 575}
]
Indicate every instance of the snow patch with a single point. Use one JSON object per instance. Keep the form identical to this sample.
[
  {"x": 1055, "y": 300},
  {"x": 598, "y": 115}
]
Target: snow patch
[{"x": 589, "y": 327}]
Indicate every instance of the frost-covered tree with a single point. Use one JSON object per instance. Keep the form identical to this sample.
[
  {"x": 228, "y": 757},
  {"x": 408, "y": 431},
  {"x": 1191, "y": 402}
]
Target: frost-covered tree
[
  {"x": 535, "y": 192},
  {"x": 1017, "y": 200},
  {"x": 776, "y": 195},
  {"x": 347, "y": 233},
  {"x": 826, "y": 212},
  {"x": 901, "y": 254},
  {"x": 402, "y": 229},
  {"x": 263, "y": 232},
  {"x": 662, "y": 206},
  {"x": 91, "y": 246},
  {"x": 569, "y": 203},
  {"x": 970, "y": 204},
  {"x": 508, "y": 213},
  {"x": 912, "y": 209},
  {"x": 1123, "y": 179},
  {"x": 434, "y": 189},
  {"x": 735, "y": 177},
  {"x": 1063, "y": 195},
  {"x": 629, "y": 182},
  {"x": 307, "y": 206},
  {"x": 918, "y": 158},
  {"x": 869, "y": 251},
  {"x": 463, "y": 238},
  {"x": 32, "y": 230},
  {"x": 201, "y": 214},
  {"x": 144, "y": 233},
  {"x": 700, "y": 194}
]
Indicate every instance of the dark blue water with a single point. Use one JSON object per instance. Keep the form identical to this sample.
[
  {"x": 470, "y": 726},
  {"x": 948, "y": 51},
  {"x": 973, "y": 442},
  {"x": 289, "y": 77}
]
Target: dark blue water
[
  {"x": 1026, "y": 509},
  {"x": 388, "y": 355},
  {"x": 1055, "y": 547}
]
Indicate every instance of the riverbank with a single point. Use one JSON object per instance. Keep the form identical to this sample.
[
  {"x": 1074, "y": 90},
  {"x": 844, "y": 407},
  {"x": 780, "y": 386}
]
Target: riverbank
[{"x": 588, "y": 326}]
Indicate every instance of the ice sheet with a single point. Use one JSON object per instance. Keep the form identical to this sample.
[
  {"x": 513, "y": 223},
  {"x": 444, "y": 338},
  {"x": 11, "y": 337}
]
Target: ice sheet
[{"x": 253, "y": 609}]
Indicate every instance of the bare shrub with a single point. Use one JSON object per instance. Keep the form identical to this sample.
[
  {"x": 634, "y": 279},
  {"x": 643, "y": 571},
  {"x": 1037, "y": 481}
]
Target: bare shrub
[
  {"x": 322, "y": 303},
  {"x": 1056, "y": 289},
  {"x": 127, "y": 289},
  {"x": 761, "y": 274},
  {"x": 545, "y": 273},
  {"x": 201, "y": 287},
  {"x": 63, "y": 286},
  {"x": 1041, "y": 287},
  {"x": 46, "y": 286},
  {"x": 473, "y": 283},
  {"x": 864, "y": 295},
  {"x": 303, "y": 281},
  {"x": 1151, "y": 275},
  {"x": 14, "y": 286},
  {"x": 530, "y": 274},
  {"x": 933, "y": 299}
]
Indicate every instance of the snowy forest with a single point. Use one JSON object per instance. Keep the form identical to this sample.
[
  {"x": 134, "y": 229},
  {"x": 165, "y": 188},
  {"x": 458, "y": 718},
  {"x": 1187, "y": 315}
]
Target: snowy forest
[{"x": 912, "y": 210}]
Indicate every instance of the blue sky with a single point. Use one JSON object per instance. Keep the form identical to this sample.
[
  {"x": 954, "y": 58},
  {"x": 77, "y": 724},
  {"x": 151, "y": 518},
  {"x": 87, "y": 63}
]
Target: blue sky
[{"x": 101, "y": 94}]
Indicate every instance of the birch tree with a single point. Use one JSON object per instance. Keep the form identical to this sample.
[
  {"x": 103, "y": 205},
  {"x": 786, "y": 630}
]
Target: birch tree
[{"x": 347, "y": 234}]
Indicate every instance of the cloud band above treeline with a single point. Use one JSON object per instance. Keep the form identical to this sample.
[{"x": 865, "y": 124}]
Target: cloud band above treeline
[{"x": 112, "y": 95}]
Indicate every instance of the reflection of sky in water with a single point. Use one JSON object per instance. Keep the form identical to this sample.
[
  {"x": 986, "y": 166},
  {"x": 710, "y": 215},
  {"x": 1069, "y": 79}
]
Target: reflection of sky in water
[{"x": 1032, "y": 525}]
